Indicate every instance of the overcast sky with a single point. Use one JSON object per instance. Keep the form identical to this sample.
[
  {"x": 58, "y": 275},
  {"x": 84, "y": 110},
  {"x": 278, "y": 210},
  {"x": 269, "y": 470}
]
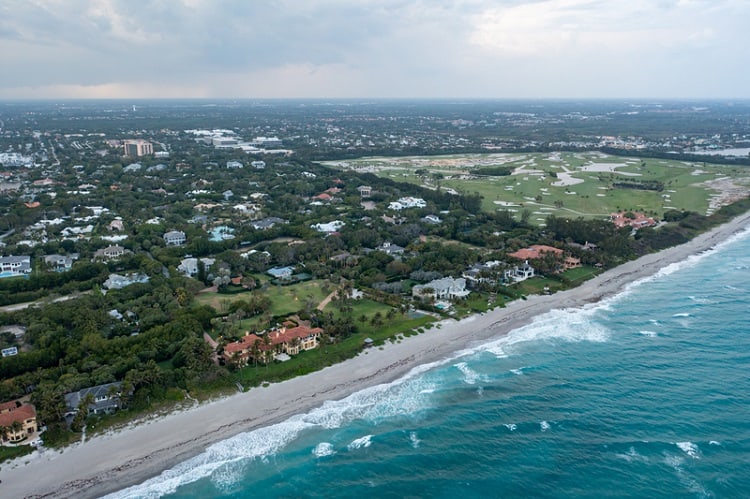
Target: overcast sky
[{"x": 374, "y": 48}]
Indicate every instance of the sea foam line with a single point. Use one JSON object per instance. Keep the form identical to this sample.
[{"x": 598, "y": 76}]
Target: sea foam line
[{"x": 403, "y": 397}]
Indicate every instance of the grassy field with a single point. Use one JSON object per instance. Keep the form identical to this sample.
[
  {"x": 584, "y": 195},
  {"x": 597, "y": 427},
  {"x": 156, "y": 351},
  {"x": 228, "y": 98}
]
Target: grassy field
[
  {"x": 580, "y": 274},
  {"x": 284, "y": 299},
  {"x": 568, "y": 184}
]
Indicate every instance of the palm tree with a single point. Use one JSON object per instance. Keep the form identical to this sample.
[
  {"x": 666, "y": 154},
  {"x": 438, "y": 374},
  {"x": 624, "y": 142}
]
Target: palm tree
[
  {"x": 391, "y": 314},
  {"x": 255, "y": 352},
  {"x": 295, "y": 343},
  {"x": 16, "y": 428},
  {"x": 267, "y": 345},
  {"x": 114, "y": 391}
]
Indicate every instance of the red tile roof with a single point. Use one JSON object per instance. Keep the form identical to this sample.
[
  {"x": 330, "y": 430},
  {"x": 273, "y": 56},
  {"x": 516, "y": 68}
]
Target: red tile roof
[
  {"x": 20, "y": 414},
  {"x": 640, "y": 220},
  {"x": 8, "y": 406},
  {"x": 283, "y": 335},
  {"x": 535, "y": 251}
]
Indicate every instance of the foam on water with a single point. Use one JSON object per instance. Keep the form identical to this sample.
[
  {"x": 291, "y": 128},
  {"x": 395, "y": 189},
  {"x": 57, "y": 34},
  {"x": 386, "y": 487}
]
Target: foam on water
[
  {"x": 470, "y": 375},
  {"x": 676, "y": 462},
  {"x": 359, "y": 443},
  {"x": 702, "y": 300},
  {"x": 632, "y": 456},
  {"x": 403, "y": 397},
  {"x": 256, "y": 444},
  {"x": 511, "y": 426},
  {"x": 690, "y": 261},
  {"x": 689, "y": 448},
  {"x": 569, "y": 325},
  {"x": 415, "y": 441},
  {"x": 323, "y": 449},
  {"x": 498, "y": 351},
  {"x": 650, "y": 334},
  {"x": 544, "y": 426}
]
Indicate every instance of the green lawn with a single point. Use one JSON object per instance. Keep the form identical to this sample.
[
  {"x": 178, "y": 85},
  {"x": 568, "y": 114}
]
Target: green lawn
[
  {"x": 536, "y": 285},
  {"x": 577, "y": 276},
  {"x": 476, "y": 302},
  {"x": 284, "y": 299},
  {"x": 532, "y": 187}
]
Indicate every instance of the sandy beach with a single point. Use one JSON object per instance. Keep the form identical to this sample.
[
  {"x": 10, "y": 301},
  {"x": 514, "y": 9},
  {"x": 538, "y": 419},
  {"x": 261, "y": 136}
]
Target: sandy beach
[{"x": 112, "y": 462}]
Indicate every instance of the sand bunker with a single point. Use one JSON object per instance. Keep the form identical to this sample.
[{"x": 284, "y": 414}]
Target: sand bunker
[
  {"x": 566, "y": 179},
  {"x": 602, "y": 167}
]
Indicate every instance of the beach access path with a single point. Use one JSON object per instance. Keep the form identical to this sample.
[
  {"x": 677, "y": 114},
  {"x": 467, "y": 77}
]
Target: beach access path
[{"x": 111, "y": 462}]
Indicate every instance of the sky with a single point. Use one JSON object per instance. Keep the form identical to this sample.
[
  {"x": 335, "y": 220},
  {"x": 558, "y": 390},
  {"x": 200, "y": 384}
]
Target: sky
[{"x": 51, "y": 49}]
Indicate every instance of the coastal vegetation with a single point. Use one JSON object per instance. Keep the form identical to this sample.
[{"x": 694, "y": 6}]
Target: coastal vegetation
[{"x": 294, "y": 242}]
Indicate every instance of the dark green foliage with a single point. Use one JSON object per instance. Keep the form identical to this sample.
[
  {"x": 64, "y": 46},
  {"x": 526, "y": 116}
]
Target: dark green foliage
[
  {"x": 494, "y": 171},
  {"x": 645, "y": 185}
]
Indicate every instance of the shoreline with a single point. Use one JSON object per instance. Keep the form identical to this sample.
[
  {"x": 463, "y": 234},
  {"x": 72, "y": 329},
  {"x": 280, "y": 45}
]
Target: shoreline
[{"x": 112, "y": 462}]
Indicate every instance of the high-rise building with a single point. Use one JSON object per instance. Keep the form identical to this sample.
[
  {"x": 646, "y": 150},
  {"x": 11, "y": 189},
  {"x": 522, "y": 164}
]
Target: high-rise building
[{"x": 137, "y": 147}]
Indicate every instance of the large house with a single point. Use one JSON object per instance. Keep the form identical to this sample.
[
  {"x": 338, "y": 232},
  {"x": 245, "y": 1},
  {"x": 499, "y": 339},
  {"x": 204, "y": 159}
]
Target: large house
[
  {"x": 289, "y": 341},
  {"x": 175, "y": 238},
  {"x": 105, "y": 399},
  {"x": 635, "y": 220},
  {"x": 536, "y": 251},
  {"x": 390, "y": 249},
  {"x": 329, "y": 227},
  {"x": 281, "y": 273},
  {"x": 519, "y": 272},
  {"x": 117, "y": 281},
  {"x": 14, "y": 266},
  {"x": 442, "y": 289},
  {"x": 482, "y": 273},
  {"x": 61, "y": 263},
  {"x": 407, "y": 202},
  {"x": 17, "y": 420},
  {"x": 267, "y": 223},
  {"x": 189, "y": 266},
  {"x": 111, "y": 252}
]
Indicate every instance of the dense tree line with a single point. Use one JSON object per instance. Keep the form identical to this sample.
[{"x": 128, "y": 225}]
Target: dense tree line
[
  {"x": 646, "y": 185},
  {"x": 678, "y": 156}
]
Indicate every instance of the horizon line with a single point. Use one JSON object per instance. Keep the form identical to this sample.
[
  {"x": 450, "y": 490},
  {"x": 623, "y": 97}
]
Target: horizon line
[{"x": 471, "y": 99}]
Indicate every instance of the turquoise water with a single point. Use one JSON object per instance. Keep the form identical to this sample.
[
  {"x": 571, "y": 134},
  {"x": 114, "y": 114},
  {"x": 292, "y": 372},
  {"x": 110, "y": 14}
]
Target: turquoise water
[
  {"x": 644, "y": 395},
  {"x": 221, "y": 233}
]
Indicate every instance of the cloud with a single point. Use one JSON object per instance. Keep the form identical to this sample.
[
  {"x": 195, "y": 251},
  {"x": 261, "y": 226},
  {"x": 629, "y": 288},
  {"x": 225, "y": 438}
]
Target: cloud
[
  {"x": 375, "y": 48},
  {"x": 554, "y": 27}
]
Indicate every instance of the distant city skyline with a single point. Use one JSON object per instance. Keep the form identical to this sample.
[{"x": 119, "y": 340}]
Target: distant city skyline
[{"x": 515, "y": 49}]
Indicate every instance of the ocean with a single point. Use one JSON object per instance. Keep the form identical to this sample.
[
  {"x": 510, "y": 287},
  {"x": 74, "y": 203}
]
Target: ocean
[{"x": 646, "y": 394}]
